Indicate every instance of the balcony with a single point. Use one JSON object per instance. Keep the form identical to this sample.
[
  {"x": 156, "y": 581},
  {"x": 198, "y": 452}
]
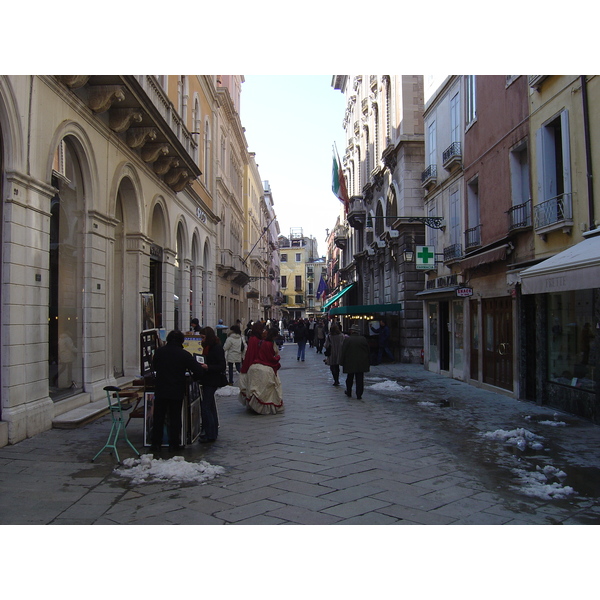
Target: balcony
[
  {"x": 473, "y": 237},
  {"x": 453, "y": 252},
  {"x": 452, "y": 156},
  {"x": 429, "y": 176},
  {"x": 340, "y": 237},
  {"x": 519, "y": 216},
  {"x": 554, "y": 214},
  {"x": 138, "y": 111}
]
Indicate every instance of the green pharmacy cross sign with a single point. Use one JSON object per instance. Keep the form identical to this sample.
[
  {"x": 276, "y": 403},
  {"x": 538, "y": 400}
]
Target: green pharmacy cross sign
[{"x": 425, "y": 257}]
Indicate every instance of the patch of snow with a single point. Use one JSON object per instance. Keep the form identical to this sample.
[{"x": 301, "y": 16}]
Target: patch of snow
[
  {"x": 553, "y": 423},
  {"x": 149, "y": 469},
  {"x": 427, "y": 403},
  {"x": 535, "y": 484},
  {"x": 520, "y": 438},
  {"x": 228, "y": 390},
  {"x": 389, "y": 386}
]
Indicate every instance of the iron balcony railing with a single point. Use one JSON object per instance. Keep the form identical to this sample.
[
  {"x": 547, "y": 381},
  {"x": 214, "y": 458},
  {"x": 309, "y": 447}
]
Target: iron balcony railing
[
  {"x": 519, "y": 216},
  {"x": 473, "y": 237},
  {"x": 452, "y": 252},
  {"x": 554, "y": 210},
  {"x": 429, "y": 173},
  {"x": 452, "y": 152}
]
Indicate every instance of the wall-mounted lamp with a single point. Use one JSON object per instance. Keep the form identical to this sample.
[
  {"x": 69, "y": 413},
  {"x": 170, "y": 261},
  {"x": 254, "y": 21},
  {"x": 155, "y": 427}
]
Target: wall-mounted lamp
[{"x": 409, "y": 255}]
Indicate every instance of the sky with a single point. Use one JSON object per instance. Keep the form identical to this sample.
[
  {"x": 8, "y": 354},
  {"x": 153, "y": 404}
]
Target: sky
[{"x": 292, "y": 123}]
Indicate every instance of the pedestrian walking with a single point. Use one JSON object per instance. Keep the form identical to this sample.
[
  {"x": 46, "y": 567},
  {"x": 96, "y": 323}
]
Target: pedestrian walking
[
  {"x": 333, "y": 352},
  {"x": 170, "y": 363},
  {"x": 300, "y": 337},
  {"x": 354, "y": 360},
  {"x": 383, "y": 341},
  {"x": 319, "y": 336},
  {"x": 310, "y": 332},
  {"x": 234, "y": 349},
  {"x": 214, "y": 367}
]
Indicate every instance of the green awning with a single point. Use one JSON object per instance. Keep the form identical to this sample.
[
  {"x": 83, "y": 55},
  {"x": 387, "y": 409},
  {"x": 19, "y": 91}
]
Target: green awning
[
  {"x": 365, "y": 309},
  {"x": 337, "y": 296}
]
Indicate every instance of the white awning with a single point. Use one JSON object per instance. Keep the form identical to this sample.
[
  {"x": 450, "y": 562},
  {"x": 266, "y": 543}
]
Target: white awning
[{"x": 577, "y": 268}]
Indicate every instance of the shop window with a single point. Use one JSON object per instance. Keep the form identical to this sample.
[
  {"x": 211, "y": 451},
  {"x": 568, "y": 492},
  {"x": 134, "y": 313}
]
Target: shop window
[
  {"x": 433, "y": 333},
  {"x": 572, "y": 339}
]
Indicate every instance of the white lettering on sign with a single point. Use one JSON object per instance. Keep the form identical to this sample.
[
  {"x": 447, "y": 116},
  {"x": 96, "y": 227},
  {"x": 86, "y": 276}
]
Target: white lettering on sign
[{"x": 464, "y": 292}]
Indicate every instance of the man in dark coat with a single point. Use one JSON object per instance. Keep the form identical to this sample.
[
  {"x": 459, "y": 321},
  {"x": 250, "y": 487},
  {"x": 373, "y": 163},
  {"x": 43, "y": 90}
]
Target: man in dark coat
[
  {"x": 355, "y": 361},
  {"x": 170, "y": 363},
  {"x": 383, "y": 334}
]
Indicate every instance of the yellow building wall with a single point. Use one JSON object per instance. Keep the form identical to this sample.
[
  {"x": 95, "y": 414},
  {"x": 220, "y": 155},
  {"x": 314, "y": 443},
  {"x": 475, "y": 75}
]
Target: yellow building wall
[{"x": 556, "y": 94}]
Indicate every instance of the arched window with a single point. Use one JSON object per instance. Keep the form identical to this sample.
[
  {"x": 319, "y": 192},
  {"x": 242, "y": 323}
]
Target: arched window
[
  {"x": 207, "y": 151},
  {"x": 66, "y": 274},
  {"x": 388, "y": 110},
  {"x": 379, "y": 221},
  {"x": 391, "y": 209}
]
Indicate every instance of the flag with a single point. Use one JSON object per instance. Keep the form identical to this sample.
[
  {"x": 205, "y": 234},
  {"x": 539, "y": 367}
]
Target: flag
[
  {"x": 338, "y": 184},
  {"x": 322, "y": 289}
]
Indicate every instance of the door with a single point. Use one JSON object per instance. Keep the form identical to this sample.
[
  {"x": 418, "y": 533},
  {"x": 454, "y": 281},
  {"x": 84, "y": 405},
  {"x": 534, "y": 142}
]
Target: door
[
  {"x": 498, "y": 342},
  {"x": 444, "y": 327}
]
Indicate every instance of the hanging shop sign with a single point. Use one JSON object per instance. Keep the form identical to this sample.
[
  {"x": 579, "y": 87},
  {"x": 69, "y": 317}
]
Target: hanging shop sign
[{"x": 464, "y": 292}]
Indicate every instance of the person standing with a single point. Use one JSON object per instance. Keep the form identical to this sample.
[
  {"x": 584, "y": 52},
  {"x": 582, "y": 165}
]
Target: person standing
[
  {"x": 300, "y": 337},
  {"x": 234, "y": 349},
  {"x": 195, "y": 326},
  {"x": 383, "y": 342},
  {"x": 170, "y": 363},
  {"x": 214, "y": 364},
  {"x": 354, "y": 359},
  {"x": 333, "y": 351}
]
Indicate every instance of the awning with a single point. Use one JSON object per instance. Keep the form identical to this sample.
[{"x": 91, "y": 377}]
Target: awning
[
  {"x": 484, "y": 258},
  {"x": 576, "y": 268},
  {"x": 442, "y": 290},
  {"x": 365, "y": 309},
  {"x": 337, "y": 296}
]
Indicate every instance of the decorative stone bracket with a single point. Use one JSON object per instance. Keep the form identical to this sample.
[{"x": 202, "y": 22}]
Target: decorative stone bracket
[
  {"x": 138, "y": 136},
  {"x": 73, "y": 81},
  {"x": 163, "y": 164},
  {"x": 102, "y": 97},
  {"x": 151, "y": 152},
  {"x": 121, "y": 119}
]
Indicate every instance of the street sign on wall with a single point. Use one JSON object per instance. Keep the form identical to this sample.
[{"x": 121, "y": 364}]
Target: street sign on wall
[{"x": 425, "y": 257}]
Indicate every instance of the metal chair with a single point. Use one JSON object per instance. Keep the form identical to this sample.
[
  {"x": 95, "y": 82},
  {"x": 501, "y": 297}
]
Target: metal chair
[{"x": 118, "y": 425}]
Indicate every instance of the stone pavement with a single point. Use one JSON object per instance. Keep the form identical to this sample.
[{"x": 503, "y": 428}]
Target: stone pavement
[{"x": 414, "y": 456}]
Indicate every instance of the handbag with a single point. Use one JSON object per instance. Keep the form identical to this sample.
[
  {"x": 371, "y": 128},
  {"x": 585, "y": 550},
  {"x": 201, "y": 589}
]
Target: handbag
[
  {"x": 327, "y": 351},
  {"x": 223, "y": 380}
]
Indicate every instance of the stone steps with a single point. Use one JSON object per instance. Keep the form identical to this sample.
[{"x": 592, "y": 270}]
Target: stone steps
[{"x": 94, "y": 410}]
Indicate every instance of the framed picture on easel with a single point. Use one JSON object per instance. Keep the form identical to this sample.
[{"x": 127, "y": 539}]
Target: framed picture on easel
[{"x": 148, "y": 315}]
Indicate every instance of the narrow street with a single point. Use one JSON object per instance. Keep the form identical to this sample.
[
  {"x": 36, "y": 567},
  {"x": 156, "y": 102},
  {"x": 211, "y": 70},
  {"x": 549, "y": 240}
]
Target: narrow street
[{"x": 412, "y": 451}]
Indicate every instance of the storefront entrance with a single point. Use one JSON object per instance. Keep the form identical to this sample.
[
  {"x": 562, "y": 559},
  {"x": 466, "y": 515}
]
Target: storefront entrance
[{"x": 498, "y": 342}]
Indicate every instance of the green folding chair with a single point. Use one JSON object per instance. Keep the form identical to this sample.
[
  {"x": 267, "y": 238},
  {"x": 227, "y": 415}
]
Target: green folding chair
[{"x": 116, "y": 412}]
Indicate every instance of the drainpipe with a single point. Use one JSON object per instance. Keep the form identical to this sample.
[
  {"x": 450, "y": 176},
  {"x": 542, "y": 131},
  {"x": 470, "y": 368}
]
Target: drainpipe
[{"x": 588, "y": 151}]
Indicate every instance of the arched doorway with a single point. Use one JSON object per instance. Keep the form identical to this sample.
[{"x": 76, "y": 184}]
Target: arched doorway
[{"x": 67, "y": 222}]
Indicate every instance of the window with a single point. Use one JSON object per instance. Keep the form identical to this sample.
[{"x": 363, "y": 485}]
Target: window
[
  {"x": 298, "y": 257},
  {"x": 284, "y": 281},
  {"x": 471, "y": 100},
  {"x": 431, "y": 143},
  {"x": 298, "y": 279},
  {"x": 572, "y": 347},
  {"x": 299, "y": 299},
  {"x": 455, "y": 118},
  {"x": 206, "y": 151},
  {"x": 455, "y": 220},
  {"x": 473, "y": 234},
  {"x": 283, "y": 258},
  {"x": 432, "y": 234},
  {"x": 519, "y": 174},
  {"x": 554, "y": 165}
]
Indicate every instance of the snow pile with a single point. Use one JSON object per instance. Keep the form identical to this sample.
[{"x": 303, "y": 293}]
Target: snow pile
[
  {"x": 228, "y": 390},
  {"x": 553, "y": 423},
  {"x": 427, "y": 403},
  {"x": 519, "y": 438},
  {"x": 146, "y": 469},
  {"x": 389, "y": 386},
  {"x": 538, "y": 484}
]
